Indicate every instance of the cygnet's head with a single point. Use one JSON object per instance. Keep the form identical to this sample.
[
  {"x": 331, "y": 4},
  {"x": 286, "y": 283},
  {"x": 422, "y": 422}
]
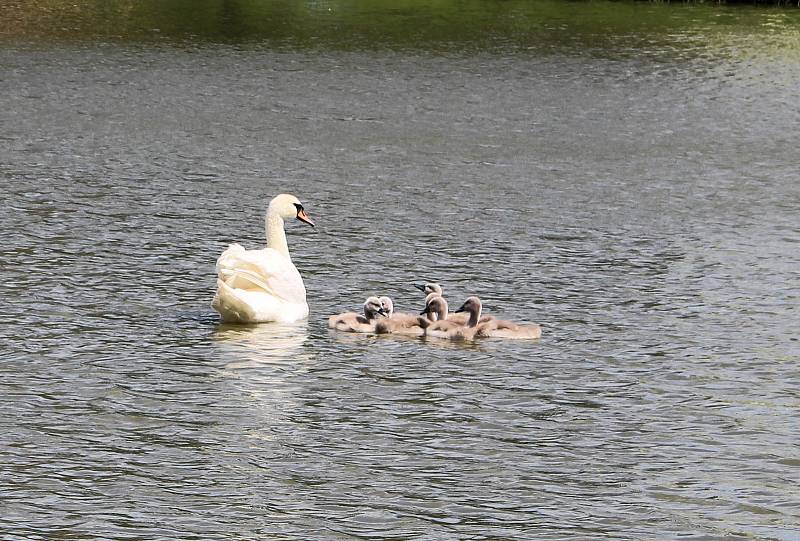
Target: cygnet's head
[
  {"x": 429, "y": 288},
  {"x": 387, "y": 305},
  {"x": 471, "y": 305},
  {"x": 288, "y": 206},
  {"x": 431, "y": 296},
  {"x": 436, "y": 308},
  {"x": 373, "y": 308}
]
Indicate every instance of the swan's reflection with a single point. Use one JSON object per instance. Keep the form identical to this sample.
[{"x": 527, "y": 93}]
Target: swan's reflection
[
  {"x": 251, "y": 346},
  {"x": 262, "y": 377}
]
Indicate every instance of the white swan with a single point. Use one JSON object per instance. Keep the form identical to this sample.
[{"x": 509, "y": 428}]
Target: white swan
[{"x": 258, "y": 286}]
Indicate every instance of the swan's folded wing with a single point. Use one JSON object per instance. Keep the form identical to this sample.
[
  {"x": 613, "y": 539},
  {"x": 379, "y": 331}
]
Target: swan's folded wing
[{"x": 261, "y": 270}]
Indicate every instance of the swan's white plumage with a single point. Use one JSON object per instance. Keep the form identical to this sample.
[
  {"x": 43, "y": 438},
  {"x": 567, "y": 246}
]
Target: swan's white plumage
[{"x": 257, "y": 286}]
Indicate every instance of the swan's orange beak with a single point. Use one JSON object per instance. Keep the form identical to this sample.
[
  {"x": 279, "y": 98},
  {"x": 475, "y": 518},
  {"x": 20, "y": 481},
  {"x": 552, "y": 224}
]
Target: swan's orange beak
[{"x": 303, "y": 217}]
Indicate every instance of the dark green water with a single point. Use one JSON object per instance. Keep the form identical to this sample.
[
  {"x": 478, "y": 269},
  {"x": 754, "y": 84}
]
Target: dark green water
[{"x": 625, "y": 174}]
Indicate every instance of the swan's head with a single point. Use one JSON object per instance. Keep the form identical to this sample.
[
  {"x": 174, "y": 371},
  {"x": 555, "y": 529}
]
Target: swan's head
[
  {"x": 387, "y": 305},
  {"x": 373, "y": 308},
  {"x": 471, "y": 305},
  {"x": 436, "y": 308},
  {"x": 430, "y": 288},
  {"x": 288, "y": 206},
  {"x": 429, "y": 296}
]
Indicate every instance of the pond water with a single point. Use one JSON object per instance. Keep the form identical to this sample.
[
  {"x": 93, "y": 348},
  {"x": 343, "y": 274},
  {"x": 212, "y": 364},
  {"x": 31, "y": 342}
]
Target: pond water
[{"x": 624, "y": 174}]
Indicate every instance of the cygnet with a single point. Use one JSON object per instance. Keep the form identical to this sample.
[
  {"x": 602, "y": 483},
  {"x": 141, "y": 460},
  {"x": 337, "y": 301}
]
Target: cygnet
[{"x": 352, "y": 322}]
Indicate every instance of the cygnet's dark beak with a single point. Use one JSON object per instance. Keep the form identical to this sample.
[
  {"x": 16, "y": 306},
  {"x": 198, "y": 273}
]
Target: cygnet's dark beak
[
  {"x": 463, "y": 308},
  {"x": 421, "y": 288},
  {"x": 383, "y": 312},
  {"x": 302, "y": 216}
]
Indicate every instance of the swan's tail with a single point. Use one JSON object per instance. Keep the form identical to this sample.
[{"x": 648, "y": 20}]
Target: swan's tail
[{"x": 231, "y": 306}]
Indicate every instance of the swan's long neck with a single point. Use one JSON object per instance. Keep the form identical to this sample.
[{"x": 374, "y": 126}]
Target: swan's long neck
[
  {"x": 474, "y": 316},
  {"x": 276, "y": 236},
  {"x": 442, "y": 311}
]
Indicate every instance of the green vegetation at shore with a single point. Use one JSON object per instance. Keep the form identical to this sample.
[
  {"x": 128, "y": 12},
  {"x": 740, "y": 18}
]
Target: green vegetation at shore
[{"x": 437, "y": 25}]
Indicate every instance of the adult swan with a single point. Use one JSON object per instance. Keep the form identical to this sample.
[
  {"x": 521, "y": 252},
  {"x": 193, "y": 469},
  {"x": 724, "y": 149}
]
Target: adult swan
[{"x": 258, "y": 286}]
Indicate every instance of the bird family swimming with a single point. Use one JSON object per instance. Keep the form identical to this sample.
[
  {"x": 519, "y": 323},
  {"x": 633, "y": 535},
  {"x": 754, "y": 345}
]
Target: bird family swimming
[
  {"x": 435, "y": 321},
  {"x": 263, "y": 285}
]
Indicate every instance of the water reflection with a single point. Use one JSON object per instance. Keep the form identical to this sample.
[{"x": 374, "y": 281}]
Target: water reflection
[
  {"x": 382, "y": 340},
  {"x": 352, "y": 338},
  {"x": 258, "y": 345}
]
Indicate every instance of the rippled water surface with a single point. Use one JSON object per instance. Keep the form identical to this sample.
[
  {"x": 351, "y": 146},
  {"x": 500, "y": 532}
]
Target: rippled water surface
[{"x": 624, "y": 174}]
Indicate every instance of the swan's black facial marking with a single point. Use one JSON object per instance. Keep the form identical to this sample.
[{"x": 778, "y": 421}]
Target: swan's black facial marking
[{"x": 301, "y": 214}]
